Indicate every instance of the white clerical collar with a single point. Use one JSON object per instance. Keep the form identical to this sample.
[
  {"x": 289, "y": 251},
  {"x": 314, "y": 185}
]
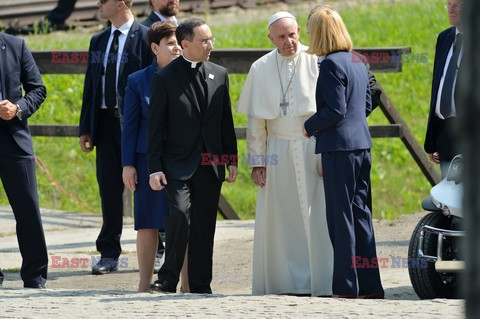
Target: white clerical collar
[
  {"x": 124, "y": 28},
  {"x": 293, "y": 56},
  {"x": 172, "y": 19},
  {"x": 193, "y": 64}
]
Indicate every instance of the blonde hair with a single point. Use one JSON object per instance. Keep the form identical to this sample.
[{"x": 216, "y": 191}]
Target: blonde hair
[{"x": 327, "y": 32}]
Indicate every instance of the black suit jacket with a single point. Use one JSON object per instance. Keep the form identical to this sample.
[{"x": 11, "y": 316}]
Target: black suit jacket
[
  {"x": 18, "y": 68},
  {"x": 444, "y": 42},
  {"x": 177, "y": 132},
  {"x": 136, "y": 54}
]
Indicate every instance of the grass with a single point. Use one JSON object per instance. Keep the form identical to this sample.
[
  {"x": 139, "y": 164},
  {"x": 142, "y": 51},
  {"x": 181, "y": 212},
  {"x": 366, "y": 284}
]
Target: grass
[
  {"x": 11, "y": 270},
  {"x": 398, "y": 184}
]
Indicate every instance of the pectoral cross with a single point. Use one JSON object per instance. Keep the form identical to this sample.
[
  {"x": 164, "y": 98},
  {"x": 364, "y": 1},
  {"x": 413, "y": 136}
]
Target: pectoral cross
[{"x": 284, "y": 104}]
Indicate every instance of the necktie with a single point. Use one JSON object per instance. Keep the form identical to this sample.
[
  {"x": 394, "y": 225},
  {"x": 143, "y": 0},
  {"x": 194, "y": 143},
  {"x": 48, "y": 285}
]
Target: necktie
[
  {"x": 447, "y": 98},
  {"x": 111, "y": 73}
]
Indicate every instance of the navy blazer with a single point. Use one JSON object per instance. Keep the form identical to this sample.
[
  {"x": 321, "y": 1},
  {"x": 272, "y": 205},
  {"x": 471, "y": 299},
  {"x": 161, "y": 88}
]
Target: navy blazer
[
  {"x": 17, "y": 68},
  {"x": 343, "y": 103},
  {"x": 137, "y": 99},
  {"x": 444, "y": 43},
  {"x": 138, "y": 56},
  {"x": 178, "y": 132},
  {"x": 151, "y": 19}
]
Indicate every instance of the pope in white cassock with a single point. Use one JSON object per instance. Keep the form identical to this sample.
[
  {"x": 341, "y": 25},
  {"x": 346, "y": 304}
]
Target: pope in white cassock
[{"x": 292, "y": 253}]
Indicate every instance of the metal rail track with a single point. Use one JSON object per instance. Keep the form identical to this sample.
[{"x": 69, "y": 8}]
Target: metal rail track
[{"x": 25, "y": 12}]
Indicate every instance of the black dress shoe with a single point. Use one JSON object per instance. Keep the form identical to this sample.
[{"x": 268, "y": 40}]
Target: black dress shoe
[
  {"x": 376, "y": 295},
  {"x": 105, "y": 265},
  {"x": 34, "y": 286},
  {"x": 163, "y": 286},
  {"x": 345, "y": 296},
  {"x": 205, "y": 291}
]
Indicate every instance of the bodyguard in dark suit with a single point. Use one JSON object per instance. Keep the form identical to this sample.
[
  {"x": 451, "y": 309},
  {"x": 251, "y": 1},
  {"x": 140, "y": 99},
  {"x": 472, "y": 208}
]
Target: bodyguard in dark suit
[
  {"x": 162, "y": 10},
  {"x": 440, "y": 144},
  {"x": 17, "y": 163},
  {"x": 190, "y": 114},
  {"x": 115, "y": 53},
  {"x": 343, "y": 139}
]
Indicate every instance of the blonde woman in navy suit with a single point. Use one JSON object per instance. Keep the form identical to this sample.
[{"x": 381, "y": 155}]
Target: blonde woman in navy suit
[
  {"x": 343, "y": 139},
  {"x": 150, "y": 206}
]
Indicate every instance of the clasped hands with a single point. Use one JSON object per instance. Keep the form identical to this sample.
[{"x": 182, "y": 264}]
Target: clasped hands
[{"x": 8, "y": 110}]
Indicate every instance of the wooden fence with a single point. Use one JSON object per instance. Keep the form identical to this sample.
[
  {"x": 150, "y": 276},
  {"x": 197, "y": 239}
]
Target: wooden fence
[{"x": 239, "y": 61}]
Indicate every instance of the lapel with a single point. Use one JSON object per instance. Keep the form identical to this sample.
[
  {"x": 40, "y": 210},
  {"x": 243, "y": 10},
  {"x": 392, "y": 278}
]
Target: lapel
[
  {"x": 132, "y": 36},
  {"x": 441, "y": 59},
  {"x": 210, "y": 79},
  {"x": 153, "y": 17},
  {"x": 184, "y": 79},
  {"x": 450, "y": 37},
  {"x": 98, "y": 66},
  {"x": 3, "y": 54}
]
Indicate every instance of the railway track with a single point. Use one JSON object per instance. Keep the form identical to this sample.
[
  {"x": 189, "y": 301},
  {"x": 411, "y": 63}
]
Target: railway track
[{"x": 18, "y": 13}]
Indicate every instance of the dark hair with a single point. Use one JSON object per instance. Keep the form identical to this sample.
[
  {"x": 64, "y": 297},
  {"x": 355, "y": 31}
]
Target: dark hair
[
  {"x": 160, "y": 30},
  {"x": 128, "y": 3},
  {"x": 185, "y": 29}
]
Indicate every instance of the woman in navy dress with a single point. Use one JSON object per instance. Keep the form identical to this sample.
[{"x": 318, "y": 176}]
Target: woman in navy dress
[
  {"x": 343, "y": 139},
  {"x": 150, "y": 207}
]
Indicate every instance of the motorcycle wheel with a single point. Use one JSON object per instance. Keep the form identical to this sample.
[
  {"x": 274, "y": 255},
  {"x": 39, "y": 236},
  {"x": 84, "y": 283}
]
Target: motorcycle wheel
[{"x": 426, "y": 281}]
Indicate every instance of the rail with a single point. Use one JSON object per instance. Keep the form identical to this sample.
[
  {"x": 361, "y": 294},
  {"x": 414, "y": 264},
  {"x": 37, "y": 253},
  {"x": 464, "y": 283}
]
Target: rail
[{"x": 239, "y": 61}]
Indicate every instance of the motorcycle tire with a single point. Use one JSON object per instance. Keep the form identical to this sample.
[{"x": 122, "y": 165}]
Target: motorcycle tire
[{"x": 426, "y": 281}]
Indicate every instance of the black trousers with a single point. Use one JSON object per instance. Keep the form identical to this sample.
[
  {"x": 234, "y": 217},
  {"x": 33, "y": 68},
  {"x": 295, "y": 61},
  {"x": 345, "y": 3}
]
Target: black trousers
[
  {"x": 346, "y": 176},
  {"x": 61, "y": 12},
  {"x": 17, "y": 171},
  {"x": 193, "y": 214},
  {"x": 446, "y": 142},
  {"x": 110, "y": 184}
]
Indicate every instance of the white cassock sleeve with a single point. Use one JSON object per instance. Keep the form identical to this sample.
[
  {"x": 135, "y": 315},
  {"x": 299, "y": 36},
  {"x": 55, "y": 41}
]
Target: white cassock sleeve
[{"x": 256, "y": 139}]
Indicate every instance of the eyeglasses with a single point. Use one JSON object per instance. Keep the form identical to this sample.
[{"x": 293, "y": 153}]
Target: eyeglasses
[
  {"x": 206, "y": 41},
  {"x": 456, "y": 6}
]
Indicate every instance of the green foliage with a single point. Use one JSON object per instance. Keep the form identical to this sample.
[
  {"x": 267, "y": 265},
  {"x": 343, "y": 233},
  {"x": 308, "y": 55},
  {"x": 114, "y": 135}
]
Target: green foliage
[{"x": 398, "y": 184}]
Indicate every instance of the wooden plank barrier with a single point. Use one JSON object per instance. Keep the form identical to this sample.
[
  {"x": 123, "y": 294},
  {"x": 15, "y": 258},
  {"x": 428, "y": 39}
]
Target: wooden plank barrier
[{"x": 239, "y": 61}]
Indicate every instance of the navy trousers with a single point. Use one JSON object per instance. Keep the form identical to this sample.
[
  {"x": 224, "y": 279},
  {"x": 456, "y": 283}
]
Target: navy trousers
[
  {"x": 110, "y": 184},
  {"x": 346, "y": 176},
  {"x": 17, "y": 171}
]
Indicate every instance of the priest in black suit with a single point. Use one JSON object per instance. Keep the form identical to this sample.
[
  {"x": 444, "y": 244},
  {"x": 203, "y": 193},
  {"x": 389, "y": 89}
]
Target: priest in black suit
[
  {"x": 17, "y": 163},
  {"x": 114, "y": 54},
  {"x": 190, "y": 124},
  {"x": 440, "y": 142}
]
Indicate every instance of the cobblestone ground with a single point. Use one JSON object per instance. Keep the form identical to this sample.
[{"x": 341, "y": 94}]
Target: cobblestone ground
[{"x": 74, "y": 292}]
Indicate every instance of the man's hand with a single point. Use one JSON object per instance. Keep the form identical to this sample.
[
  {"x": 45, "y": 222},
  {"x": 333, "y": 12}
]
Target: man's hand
[
  {"x": 85, "y": 143},
  {"x": 434, "y": 157},
  {"x": 259, "y": 176},
  {"x": 232, "y": 174},
  {"x": 8, "y": 110},
  {"x": 305, "y": 131},
  {"x": 156, "y": 181},
  {"x": 129, "y": 176}
]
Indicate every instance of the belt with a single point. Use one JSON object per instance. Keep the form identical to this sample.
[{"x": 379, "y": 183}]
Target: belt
[{"x": 110, "y": 112}]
